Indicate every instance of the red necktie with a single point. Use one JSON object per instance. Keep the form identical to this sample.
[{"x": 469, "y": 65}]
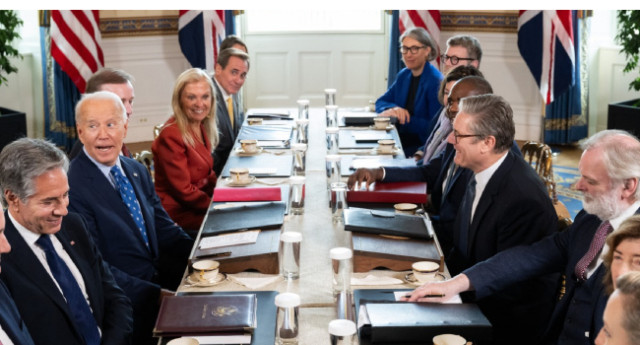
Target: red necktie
[{"x": 596, "y": 246}]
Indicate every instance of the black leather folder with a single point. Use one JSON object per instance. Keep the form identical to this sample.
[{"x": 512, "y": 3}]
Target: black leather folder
[
  {"x": 385, "y": 223},
  {"x": 364, "y": 138},
  {"x": 394, "y": 322},
  {"x": 248, "y": 216}
]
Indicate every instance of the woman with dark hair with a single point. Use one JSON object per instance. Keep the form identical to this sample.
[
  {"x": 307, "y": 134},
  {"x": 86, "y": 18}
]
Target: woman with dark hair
[{"x": 624, "y": 251}]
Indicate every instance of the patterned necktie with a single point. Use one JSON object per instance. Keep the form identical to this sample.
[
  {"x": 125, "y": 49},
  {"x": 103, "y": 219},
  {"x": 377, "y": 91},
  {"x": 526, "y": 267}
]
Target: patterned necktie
[
  {"x": 129, "y": 197},
  {"x": 230, "y": 109},
  {"x": 78, "y": 305},
  {"x": 465, "y": 214},
  {"x": 596, "y": 246}
]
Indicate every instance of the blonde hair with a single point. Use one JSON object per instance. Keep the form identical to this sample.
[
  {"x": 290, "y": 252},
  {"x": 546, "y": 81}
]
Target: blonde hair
[{"x": 193, "y": 75}]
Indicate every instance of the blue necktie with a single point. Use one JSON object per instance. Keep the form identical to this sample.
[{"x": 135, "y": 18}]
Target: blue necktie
[
  {"x": 129, "y": 197},
  {"x": 71, "y": 290},
  {"x": 465, "y": 215}
]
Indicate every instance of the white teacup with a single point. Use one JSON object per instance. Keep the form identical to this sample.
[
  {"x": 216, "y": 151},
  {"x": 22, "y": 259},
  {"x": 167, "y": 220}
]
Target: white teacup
[
  {"x": 425, "y": 271},
  {"x": 240, "y": 175},
  {"x": 249, "y": 145},
  {"x": 184, "y": 341},
  {"x": 206, "y": 269},
  {"x": 386, "y": 145},
  {"x": 405, "y": 208},
  {"x": 381, "y": 122},
  {"x": 449, "y": 339},
  {"x": 254, "y": 121}
]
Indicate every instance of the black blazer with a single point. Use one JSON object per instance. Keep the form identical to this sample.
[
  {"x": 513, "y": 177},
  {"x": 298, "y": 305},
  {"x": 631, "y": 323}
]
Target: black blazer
[
  {"x": 39, "y": 301},
  {"x": 11, "y": 321},
  {"x": 227, "y": 134}
]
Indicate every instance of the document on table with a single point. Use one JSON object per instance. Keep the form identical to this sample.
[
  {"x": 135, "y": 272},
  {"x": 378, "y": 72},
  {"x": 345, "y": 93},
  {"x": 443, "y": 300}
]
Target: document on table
[{"x": 233, "y": 239}]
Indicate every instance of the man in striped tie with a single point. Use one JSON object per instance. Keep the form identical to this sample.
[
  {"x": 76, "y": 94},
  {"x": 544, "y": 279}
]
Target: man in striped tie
[
  {"x": 64, "y": 291},
  {"x": 231, "y": 71},
  {"x": 610, "y": 170}
]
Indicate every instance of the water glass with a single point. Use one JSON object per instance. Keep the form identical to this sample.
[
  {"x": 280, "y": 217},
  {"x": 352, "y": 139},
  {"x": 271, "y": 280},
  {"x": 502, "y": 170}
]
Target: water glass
[
  {"x": 332, "y": 115},
  {"x": 332, "y": 139},
  {"x": 333, "y": 169},
  {"x": 330, "y": 96},
  {"x": 296, "y": 195},
  {"x": 289, "y": 254},
  {"x": 338, "y": 201},
  {"x": 302, "y": 129},
  {"x": 342, "y": 332},
  {"x": 287, "y": 318},
  {"x": 342, "y": 264},
  {"x": 299, "y": 158},
  {"x": 303, "y": 109}
]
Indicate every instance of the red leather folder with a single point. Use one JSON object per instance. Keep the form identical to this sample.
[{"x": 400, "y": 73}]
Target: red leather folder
[
  {"x": 223, "y": 194},
  {"x": 392, "y": 192}
]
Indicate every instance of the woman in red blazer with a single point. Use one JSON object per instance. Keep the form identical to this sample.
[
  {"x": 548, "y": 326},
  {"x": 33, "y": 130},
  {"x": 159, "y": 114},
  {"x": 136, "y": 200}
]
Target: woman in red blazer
[{"x": 184, "y": 177}]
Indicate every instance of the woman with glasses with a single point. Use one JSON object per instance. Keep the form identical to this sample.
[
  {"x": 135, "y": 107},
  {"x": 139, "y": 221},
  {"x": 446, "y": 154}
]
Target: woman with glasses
[{"x": 413, "y": 97}]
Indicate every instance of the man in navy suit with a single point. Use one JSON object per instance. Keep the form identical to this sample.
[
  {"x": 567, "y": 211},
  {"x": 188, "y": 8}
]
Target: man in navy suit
[
  {"x": 231, "y": 71},
  {"x": 63, "y": 289},
  {"x": 144, "y": 248},
  {"x": 12, "y": 327},
  {"x": 610, "y": 169}
]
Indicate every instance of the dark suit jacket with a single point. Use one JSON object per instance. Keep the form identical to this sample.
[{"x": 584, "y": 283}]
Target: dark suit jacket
[
  {"x": 581, "y": 308},
  {"x": 11, "y": 321},
  {"x": 140, "y": 271},
  {"x": 425, "y": 106},
  {"x": 227, "y": 133},
  {"x": 42, "y": 306}
]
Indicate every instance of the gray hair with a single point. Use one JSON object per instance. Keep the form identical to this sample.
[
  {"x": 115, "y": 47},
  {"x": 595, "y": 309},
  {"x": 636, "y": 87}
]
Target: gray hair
[
  {"x": 620, "y": 154},
  {"x": 101, "y": 95},
  {"x": 492, "y": 116},
  {"x": 23, "y": 160},
  {"x": 468, "y": 42},
  {"x": 421, "y": 35},
  {"x": 629, "y": 288}
]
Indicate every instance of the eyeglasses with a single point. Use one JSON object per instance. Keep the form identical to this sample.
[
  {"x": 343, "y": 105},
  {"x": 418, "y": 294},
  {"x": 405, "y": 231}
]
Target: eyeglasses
[
  {"x": 457, "y": 136},
  {"x": 454, "y": 59},
  {"x": 413, "y": 49}
]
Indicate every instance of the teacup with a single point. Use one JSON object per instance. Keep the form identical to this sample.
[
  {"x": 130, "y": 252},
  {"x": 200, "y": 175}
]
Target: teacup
[
  {"x": 425, "y": 271},
  {"x": 184, "y": 341},
  {"x": 240, "y": 175},
  {"x": 249, "y": 145},
  {"x": 386, "y": 145},
  {"x": 449, "y": 339},
  {"x": 406, "y": 208},
  {"x": 254, "y": 121},
  {"x": 381, "y": 122},
  {"x": 206, "y": 269}
]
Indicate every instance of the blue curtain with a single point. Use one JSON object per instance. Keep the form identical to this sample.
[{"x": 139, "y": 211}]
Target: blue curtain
[
  {"x": 60, "y": 127},
  {"x": 395, "y": 60},
  {"x": 229, "y": 23},
  {"x": 564, "y": 122}
]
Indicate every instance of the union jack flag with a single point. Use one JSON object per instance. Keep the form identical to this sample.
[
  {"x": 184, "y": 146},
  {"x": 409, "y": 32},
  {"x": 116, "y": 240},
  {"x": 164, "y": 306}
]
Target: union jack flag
[
  {"x": 430, "y": 20},
  {"x": 200, "y": 35},
  {"x": 545, "y": 41}
]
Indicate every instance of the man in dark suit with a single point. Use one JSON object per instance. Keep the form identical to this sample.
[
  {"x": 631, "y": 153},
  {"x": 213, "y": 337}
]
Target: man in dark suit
[
  {"x": 610, "y": 169},
  {"x": 144, "y": 248},
  {"x": 505, "y": 205},
  {"x": 230, "y": 73},
  {"x": 118, "y": 82},
  {"x": 63, "y": 289},
  {"x": 12, "y": 327}
]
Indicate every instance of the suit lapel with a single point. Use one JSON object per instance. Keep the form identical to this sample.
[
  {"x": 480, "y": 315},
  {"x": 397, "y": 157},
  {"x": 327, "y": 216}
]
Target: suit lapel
[{"x": 10, "y": 319}]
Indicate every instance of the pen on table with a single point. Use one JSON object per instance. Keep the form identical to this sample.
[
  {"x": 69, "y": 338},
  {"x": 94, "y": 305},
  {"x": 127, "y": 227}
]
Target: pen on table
[{"x": 428, "y": 296}]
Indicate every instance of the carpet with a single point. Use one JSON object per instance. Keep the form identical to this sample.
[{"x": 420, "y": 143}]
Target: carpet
[{"x": 566, "y": 178}]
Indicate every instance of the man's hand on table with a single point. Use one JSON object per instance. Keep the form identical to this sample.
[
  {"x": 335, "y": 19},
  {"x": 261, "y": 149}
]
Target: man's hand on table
[
  {"x": 400, "y": 113},
  {"x": 439, "y": 291},
  {"x": 367, "y": 176}
]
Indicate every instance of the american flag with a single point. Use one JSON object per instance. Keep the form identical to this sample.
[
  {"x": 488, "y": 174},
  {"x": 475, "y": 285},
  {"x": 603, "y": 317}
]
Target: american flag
[
  {"x": 76, "y": 44},
  {"x": 545, "y": 41},
  {"x": 430, "y": 20},
  {"x": 200, "y": 35}
]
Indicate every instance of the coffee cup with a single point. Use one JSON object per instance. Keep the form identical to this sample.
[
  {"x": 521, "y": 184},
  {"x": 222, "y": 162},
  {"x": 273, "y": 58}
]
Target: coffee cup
[
  {"x": 254, "y": 121},
  {"x": 425, "y": 271},
  {"x": 206, "y": 269},
  {"x": 406, "y": 208},
  {"x": 184, "y": 341},
  {"x": 381, "y": 122},
  {"x": 449, "y": 339},
  {"x": 239, "y": 175},
  {"x": 249, "y": 145},
  {"x": 386, "y": 145}
]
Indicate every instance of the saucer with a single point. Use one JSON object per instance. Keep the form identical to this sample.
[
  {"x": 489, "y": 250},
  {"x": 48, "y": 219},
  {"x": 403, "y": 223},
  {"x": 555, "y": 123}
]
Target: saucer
[
  {"x": 240, "y": 151},
  {"x": 194, "y": 280},
  {"x": 389, "y": 127},
  {"x": 394, "y": 152},
  {"x": 409, "y": 278},
  {"x": 232, "y": 183}
]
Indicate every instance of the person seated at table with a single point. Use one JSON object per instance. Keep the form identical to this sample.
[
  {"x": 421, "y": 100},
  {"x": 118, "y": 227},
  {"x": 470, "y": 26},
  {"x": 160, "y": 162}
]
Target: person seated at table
[
  {"x": 413, "y": 97},
  {"x": 624, "y": 251},
  {"x": 182, "y": 151},
  {"x": 437, "y": 140},
  {"x": 622, "y": 313}
]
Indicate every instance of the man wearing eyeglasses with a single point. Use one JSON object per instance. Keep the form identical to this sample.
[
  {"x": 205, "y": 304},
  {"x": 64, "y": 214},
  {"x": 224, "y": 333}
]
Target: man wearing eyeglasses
[
  {"x": 462, "y": 50},
  {"x": 413, "y": 97}
]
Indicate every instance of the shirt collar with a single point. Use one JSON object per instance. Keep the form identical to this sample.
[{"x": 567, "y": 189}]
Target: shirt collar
[
  {"x": 483, "y": 177},
  {"x": 29, "y": 236},
  {"x": 104, "y": 169},
  {"x": 224, "y": 93},
  {"x": 615, "y": 222}
]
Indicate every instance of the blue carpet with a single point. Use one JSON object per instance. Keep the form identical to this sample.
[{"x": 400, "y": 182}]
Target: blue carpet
[{"x": 565, "y": 178}]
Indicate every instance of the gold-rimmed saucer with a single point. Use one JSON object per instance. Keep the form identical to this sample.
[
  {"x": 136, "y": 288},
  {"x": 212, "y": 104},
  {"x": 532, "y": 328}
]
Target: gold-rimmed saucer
[
  {"x": 195, "y": 280},
  {"x": 409, "y": 278},
  {"x": 376, "y": 151},
  {"x": 388, "y": 128},
  {"x": 240, "y": 151},
  {"x": 232, "y": 183}
]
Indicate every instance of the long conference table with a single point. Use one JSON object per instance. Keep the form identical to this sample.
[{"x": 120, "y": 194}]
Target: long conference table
[{"x": 319, "y": 235}]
